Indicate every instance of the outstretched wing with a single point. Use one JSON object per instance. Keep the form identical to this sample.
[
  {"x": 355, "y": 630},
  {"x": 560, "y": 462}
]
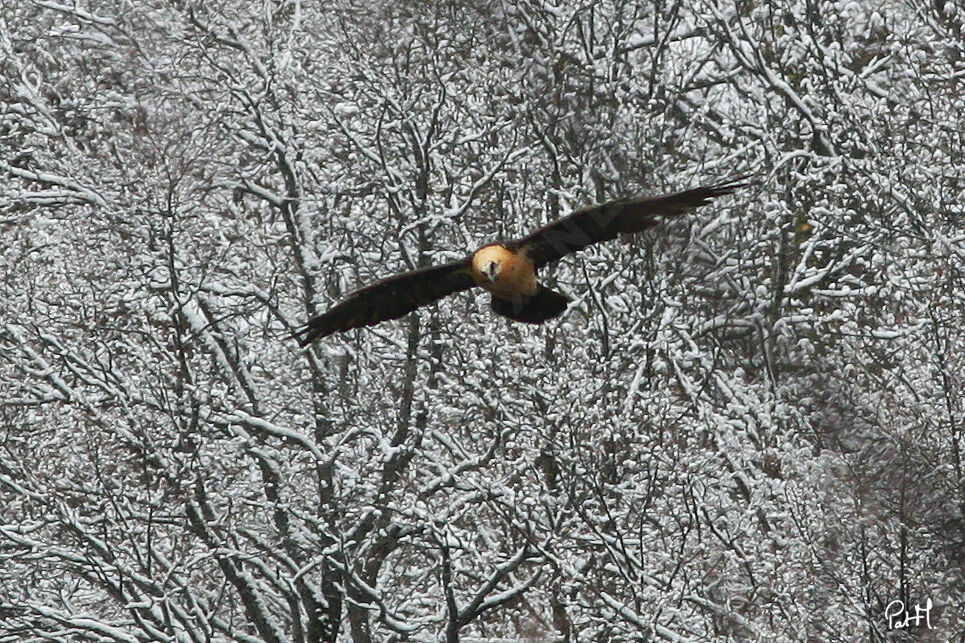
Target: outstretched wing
[
  {"x": 605, "y": 222},
  {"x": 389, "y": 298}
]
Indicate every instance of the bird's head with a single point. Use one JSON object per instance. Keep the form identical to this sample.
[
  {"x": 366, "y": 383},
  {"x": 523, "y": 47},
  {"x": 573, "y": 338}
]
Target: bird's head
[{"x": 491, "y": 270}]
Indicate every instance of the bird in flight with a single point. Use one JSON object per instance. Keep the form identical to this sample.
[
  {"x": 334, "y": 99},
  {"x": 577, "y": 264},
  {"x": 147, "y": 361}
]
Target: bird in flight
[{"x": 508, "y": 269}]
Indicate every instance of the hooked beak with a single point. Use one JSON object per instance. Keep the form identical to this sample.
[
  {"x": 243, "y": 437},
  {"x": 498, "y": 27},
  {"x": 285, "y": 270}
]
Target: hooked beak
[{"x": 490, "y": 271}]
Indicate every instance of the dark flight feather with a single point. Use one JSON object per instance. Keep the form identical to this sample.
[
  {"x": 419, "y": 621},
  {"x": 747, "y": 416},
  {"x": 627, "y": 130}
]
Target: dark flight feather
[
  {"x": 389, "y": 298},
  {"x": 605, "y": 222}
]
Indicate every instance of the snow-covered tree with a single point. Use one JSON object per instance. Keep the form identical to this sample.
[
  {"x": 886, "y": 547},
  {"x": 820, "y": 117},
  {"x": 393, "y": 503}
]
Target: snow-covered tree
[{"x": 748, "y": 426}]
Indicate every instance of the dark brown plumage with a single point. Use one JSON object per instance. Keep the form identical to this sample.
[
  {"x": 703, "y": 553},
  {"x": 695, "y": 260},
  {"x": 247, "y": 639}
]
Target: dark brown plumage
[
  {"x": 390, "y": 298},
  {"x": 606, "y": 222},
  {"x": 508, "y": 270}
]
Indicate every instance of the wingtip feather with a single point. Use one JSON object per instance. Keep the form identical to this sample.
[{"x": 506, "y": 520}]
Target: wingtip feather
[
  {"x": 302, "y": 336},
  {"x": 307, "y": 335},
  {"x": 734, "y": 183}
]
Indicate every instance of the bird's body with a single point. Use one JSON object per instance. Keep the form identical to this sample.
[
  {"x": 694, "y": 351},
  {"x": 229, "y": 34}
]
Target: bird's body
[{"x": 507, "y": 270}]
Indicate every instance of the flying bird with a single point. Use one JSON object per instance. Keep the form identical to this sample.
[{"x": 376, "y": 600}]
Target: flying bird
[{"x": 508, "y": 270}]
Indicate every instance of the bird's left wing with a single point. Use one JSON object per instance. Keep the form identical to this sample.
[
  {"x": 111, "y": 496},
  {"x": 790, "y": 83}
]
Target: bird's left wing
[
  {"x": 605, "y": 222},
  {"x": 389, "y": 298}
]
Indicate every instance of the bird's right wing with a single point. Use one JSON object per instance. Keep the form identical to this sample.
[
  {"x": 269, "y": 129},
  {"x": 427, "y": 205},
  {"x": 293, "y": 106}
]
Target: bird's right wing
[
  {"x": 389, "y": 298},
  {"x": 605, "y": 222}
]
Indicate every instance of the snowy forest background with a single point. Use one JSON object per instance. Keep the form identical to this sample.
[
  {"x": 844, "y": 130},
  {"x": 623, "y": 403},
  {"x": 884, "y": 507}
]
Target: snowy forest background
[{"x": 748, "y": 426}]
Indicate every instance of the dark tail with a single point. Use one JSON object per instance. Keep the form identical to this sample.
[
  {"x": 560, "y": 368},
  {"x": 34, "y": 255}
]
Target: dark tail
[{"x": 545, "y": 304}]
